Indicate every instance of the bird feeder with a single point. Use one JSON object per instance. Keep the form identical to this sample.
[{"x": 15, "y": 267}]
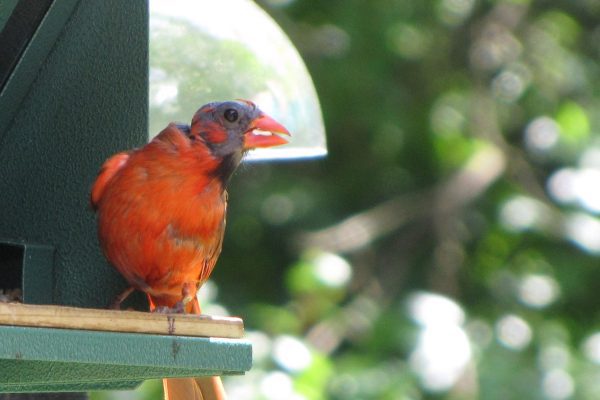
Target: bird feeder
[{"x": 76, "y": 86}]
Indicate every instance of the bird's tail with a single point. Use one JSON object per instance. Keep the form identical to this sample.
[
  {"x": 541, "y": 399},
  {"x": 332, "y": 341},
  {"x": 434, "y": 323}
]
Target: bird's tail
[
  {"x": 207, "y": 388},
  {"x": 204, "y": 388}
]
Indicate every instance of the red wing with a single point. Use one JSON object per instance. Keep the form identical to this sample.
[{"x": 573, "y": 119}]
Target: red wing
[
  {"x": 107, "y": 172},
  {"x": 213, "y": 255}
]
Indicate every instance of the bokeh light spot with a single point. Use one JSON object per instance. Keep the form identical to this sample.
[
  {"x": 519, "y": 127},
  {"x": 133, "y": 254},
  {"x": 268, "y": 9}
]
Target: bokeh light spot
[
  {"x": 591, "y": 348},
  {"x": 558, "y": 385},
  {"x": 291, "y": 353},
  {"x": 538, "y": 291},
  {"x": 434, "y": 309},
  {"x": 440, "y": 356},
  {"x": 278, "y": 385},
  {"x": 510, "y": 84},
  {"x": 561, "y": 185},
  {"x": 587, "y": 189},
  {"x": 521, "y": 213},
  {"x": 513, "y": 332},
  {"x": 584, "y": 231},
  {"x": 443, "y": 349},
  {"x": 453, "y": 12},
  {"x": 332, "y": 270},
  {"x": 541, "y": 135}
]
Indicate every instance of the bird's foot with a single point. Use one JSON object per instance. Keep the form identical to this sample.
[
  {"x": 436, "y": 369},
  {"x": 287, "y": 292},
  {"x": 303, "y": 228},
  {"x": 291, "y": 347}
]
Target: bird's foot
[
  {"x": 116, "y": 304},
  {"x": 178, "y": 308}
]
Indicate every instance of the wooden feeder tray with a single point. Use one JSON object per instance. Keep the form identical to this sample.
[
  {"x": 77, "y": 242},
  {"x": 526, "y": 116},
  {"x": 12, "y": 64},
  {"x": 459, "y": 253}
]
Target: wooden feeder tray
[{"x": 55, "y": 348}]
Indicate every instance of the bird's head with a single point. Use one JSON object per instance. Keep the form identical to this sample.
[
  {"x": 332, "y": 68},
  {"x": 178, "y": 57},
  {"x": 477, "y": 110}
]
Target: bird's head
[{"x": 231, "y": 128}]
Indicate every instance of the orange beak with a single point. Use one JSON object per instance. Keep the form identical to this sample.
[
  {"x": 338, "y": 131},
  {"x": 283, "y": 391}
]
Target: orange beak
[{"x": 264, "y": 132}]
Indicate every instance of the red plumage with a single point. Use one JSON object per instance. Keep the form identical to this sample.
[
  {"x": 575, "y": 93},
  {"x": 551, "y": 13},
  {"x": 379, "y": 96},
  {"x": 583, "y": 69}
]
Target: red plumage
[
  {"x": 161, "y": 215},
  {"x": 161, "y": 208}
]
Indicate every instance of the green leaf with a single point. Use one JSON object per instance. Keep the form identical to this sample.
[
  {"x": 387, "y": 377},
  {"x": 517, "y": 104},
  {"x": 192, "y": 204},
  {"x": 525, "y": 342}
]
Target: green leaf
[{"x": 573, "y": 122}]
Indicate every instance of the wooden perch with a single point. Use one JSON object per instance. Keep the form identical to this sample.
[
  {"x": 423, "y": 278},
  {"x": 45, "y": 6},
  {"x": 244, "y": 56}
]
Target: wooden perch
[{"x": 50, "y": 316}]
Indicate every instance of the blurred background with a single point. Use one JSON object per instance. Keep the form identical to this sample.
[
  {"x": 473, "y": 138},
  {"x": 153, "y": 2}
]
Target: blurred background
[{"x": 447, "y": 247}]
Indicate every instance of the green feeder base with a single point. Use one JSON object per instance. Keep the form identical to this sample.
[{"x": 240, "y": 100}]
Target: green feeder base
[{"x": 56, "y": 360}]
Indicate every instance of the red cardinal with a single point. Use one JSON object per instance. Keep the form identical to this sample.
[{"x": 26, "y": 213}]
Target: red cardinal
[{"x": 161, "y": 210}]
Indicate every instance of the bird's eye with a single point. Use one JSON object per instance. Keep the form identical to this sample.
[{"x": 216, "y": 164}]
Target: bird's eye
[{"x": 231, "y": 115}]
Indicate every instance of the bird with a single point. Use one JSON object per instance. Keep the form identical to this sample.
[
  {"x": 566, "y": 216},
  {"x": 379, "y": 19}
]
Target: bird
[{"x": 161, "y": 211}]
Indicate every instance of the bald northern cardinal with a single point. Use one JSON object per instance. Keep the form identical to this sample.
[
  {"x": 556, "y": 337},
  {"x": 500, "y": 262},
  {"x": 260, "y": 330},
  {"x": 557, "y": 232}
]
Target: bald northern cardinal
[{"x": 161, "y": 210}]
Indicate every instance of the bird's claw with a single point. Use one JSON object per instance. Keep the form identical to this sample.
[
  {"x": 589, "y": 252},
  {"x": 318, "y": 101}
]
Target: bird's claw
[
  {"x": 178, "y": 308},
  {"x": 116, "y": 303}
]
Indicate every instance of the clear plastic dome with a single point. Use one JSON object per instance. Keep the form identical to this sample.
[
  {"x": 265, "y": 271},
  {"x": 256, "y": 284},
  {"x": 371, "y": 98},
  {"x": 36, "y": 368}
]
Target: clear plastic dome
[{"x": 222, "y": 50}]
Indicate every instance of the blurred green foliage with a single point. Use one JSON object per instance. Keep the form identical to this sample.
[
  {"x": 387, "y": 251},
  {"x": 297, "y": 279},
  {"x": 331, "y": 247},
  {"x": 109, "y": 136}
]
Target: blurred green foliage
[{"x": 447, "y": 248}]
